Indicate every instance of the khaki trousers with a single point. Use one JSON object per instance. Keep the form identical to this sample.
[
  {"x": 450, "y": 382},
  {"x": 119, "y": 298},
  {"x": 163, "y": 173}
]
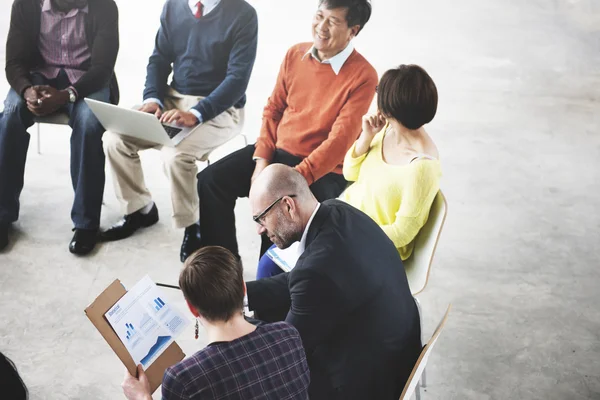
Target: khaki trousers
[{"x": 179, "y": 162}]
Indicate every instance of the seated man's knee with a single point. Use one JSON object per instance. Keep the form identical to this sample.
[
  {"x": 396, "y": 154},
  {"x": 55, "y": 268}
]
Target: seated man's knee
[
  {"x": 176, "y": 160},
  {"x": 87, "y": 120},
  {"x": 208, "y": 176},
  {"x": 14, "y": 104},
  {"x": 112, "y": 142}
]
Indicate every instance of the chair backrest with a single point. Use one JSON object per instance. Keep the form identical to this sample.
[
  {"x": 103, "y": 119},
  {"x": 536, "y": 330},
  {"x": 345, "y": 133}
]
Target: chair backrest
[
  {"x": 58, "y": 118},
  {"x": 415, "y": 375},
  {"x": 418, "y": 265}
]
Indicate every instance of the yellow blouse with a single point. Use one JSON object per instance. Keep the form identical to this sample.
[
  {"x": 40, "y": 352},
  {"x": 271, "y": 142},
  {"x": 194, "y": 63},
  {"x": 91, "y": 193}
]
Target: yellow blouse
[{"x": 397, "y": 197}]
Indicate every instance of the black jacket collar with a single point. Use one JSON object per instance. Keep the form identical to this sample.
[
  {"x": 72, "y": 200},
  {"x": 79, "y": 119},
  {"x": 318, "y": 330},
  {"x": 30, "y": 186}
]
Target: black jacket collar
[{"x": 320, "y": 217}]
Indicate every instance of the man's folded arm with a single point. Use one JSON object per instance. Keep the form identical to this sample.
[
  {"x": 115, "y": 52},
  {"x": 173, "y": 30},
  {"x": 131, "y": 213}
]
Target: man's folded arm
[
  {"x": 159, "y": 65},
  {"x": 18, "y": 50},
  {"x": 104, "y": 52},
  {"x": 315, "y": 307},
  {"x": 272, "y": 114},
  {"x": 268, "y": 293}
]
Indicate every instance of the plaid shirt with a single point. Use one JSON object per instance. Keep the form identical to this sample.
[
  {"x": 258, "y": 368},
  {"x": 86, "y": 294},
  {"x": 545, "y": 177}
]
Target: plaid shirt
[
  {"x": 268, "y": 363},
  {"x": 62, "y": 42}
]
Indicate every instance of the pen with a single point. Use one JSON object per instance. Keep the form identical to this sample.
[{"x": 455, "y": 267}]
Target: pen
[{"x": 168, "y": 286}]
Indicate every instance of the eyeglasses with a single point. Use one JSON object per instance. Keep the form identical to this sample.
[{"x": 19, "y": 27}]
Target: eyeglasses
[{"x": 259, "y": 219}]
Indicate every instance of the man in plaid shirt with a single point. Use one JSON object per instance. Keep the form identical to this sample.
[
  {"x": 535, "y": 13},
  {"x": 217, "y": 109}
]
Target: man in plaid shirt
[
  {"x": 242, "y": 361},
  {"x": 59, "y": 52}
]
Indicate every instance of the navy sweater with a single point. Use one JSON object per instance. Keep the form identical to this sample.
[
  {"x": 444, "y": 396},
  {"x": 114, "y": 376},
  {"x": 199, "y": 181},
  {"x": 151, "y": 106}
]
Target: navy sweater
[{"x": 211, "y": 57}]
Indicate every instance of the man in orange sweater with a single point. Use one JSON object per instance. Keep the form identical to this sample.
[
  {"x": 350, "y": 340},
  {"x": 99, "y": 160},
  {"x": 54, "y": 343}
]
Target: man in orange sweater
[{"x": 310, "y": 121}]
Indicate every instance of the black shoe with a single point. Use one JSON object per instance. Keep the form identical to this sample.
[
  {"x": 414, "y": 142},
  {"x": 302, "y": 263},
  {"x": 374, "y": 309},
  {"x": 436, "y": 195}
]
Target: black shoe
[
  {"x": 131, "y": 223},
  {"x": 3, "y": 236},
  {"x": 84, "y": 241},
  {"x": 191, "y": 241}
]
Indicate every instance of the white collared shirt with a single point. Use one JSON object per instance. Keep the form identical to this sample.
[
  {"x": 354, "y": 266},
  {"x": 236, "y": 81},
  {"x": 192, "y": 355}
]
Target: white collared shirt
[
  {"x": 209, "y": 5},
  {"x": 302, "y": 245},
  {"x": 337, "y": 61}
]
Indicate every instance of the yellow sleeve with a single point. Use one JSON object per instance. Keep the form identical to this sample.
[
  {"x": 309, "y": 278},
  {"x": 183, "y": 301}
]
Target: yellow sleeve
[
  {"x": 418, "y": 195},
  {"x": 351, "y": 167}
]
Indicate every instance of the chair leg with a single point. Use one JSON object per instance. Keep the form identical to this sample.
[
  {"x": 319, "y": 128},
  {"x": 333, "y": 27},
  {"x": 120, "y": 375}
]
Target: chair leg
[
  {"x": 39, "y": 146},
  {"x": 423, "y": 379},
  {"x": 418, "y": 392},
  {"x": 420, "y": 316}
]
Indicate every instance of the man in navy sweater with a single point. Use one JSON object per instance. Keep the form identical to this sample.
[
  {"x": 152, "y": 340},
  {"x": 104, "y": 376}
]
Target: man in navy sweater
[{"x": 210, "y": 46}]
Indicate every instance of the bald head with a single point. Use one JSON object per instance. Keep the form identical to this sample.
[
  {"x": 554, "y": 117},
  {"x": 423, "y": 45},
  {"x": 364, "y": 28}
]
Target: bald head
[
  {"x": 281, "y": 204},
  {"x": 278, "y": 180}
]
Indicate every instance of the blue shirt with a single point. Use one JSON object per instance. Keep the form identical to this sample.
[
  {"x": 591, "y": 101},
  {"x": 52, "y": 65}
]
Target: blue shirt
[{"x": 210, "y": 57}]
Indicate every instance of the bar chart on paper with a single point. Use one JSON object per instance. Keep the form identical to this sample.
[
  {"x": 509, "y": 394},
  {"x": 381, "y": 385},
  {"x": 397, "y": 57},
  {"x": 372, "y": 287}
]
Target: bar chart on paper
[
  {"x": 130, "y": 331},
  {"x": 145, "y": 323},
  {"x": 158, "y": 304}
]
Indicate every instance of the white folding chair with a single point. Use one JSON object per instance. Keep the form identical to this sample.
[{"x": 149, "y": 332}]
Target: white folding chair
[
  {"x": 418, "y": 265},
  {"x": 413, "y": 385},
  {"x": 58, "y": 118}
]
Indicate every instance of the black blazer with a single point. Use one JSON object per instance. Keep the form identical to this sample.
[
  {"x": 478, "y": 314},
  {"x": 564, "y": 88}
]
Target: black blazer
[
  {"x": 102, "y": 33},
  {"x": 349, "y": 298}
]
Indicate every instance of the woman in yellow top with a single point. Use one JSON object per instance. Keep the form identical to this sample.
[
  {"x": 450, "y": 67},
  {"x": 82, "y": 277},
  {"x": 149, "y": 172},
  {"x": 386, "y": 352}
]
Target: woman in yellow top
[{"x": 394, "y": 163}]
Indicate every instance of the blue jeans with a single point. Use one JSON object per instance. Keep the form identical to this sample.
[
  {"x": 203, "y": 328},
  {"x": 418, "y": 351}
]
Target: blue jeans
[
  {"x": 267, "y": 267},
  {"x": 87, "y": 154}
]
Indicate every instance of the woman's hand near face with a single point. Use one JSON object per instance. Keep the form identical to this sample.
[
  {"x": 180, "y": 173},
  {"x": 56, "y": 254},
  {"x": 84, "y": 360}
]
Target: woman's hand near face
[{"x": 371, "y": 125}]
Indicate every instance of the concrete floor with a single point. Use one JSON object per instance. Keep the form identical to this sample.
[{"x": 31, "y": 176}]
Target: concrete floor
[{"x": 517, "y": 129}]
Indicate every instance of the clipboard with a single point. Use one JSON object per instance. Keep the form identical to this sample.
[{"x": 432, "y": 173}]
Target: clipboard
[{"x": 95, "y": 313}]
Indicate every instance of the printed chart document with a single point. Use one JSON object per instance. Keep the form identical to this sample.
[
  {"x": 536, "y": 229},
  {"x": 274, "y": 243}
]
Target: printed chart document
[
  {"x": 286, "y": 259},
  {"x": 145, "y": 322}
]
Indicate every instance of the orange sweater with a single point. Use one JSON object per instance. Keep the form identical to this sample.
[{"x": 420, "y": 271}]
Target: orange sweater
[{"x": 314, "y": 113}]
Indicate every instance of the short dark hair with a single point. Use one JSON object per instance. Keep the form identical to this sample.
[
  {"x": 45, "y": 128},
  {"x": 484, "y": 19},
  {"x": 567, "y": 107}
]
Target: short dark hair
[
  {"x": 408, "y": 95},
  {"x": 359, "y": 11},
  {"x": 212, "y": 282}
]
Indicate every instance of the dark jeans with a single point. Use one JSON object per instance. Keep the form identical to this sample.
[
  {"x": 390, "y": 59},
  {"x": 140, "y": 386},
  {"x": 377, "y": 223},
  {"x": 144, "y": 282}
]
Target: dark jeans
[
  {"x": 221, "y": 184},
  {"x": 87, "y": 155}
]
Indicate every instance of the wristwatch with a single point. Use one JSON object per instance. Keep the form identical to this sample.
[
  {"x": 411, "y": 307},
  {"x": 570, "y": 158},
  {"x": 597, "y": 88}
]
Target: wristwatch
[{"x": 72, "y": 96}]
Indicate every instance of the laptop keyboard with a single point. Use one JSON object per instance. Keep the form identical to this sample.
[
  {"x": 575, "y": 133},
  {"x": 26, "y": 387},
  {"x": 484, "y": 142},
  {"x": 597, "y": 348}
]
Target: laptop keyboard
[{"x": 171, "y": 131}]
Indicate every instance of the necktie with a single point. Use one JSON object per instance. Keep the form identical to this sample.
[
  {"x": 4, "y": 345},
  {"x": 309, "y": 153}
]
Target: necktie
[{"x": 198, "y": 10}]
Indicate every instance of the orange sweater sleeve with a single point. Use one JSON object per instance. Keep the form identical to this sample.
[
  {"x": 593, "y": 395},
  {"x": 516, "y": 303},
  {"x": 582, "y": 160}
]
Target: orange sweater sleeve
[
  {"x": 346, "y": 128},
  {"x": 272, "y": 113}
]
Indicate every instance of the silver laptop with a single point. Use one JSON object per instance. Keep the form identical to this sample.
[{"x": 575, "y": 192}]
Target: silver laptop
[{"x": 138, "y": 124}]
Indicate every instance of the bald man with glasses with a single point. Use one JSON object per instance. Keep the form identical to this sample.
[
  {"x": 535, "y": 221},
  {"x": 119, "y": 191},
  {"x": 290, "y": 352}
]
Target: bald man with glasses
[{"x": 347, "y": 296}]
